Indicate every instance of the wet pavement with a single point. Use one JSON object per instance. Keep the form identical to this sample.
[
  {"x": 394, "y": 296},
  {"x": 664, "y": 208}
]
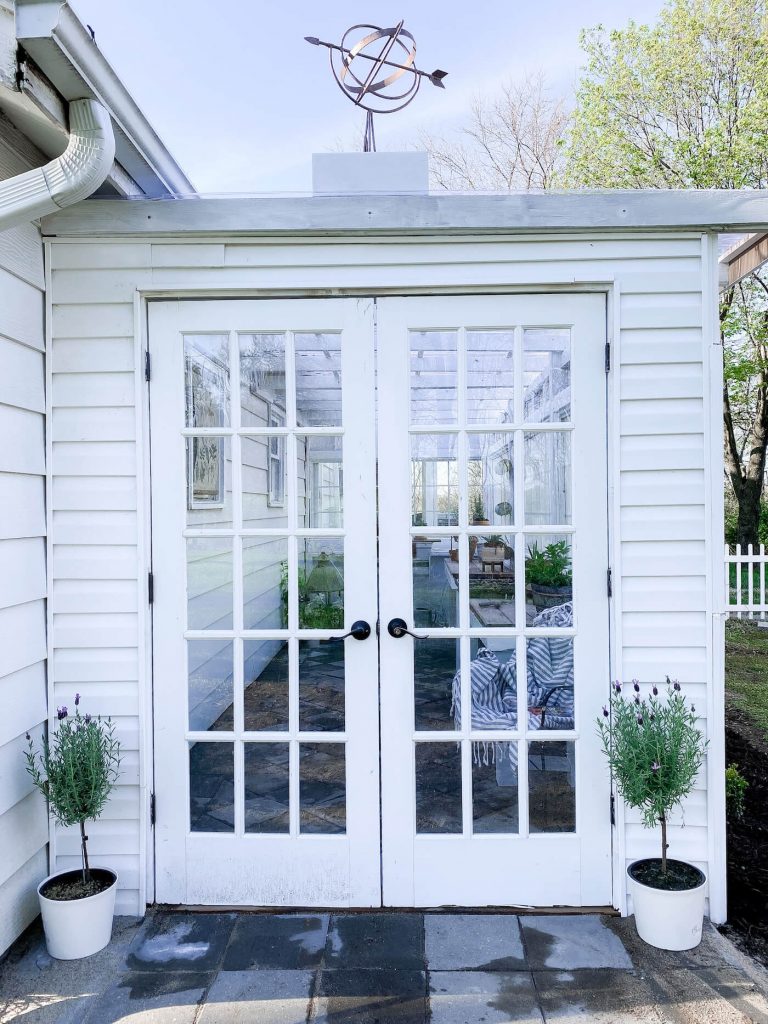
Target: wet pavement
[{"x": 380, "y": 968}]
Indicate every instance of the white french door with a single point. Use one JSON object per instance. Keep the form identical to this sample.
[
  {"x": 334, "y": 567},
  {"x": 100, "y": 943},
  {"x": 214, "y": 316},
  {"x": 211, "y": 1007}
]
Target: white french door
[{"x": 471, "y": 451}]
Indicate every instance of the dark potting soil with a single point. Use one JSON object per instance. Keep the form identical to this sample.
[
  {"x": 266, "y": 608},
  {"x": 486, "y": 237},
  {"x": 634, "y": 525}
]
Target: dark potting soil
[
  {"x": 70, "y": 885},
  {"x": 678, "y": 876}
]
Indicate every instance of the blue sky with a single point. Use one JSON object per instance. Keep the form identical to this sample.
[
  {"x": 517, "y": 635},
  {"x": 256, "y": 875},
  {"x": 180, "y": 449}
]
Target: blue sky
[{"x": 242, "y": 101}]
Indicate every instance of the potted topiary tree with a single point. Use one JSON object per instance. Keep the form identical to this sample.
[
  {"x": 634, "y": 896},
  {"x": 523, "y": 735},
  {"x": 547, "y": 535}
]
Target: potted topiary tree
[
  {"x": 655, "y": 750},
  {"x": 75, "y": 771},
  {"x": 549, "y": 575}
]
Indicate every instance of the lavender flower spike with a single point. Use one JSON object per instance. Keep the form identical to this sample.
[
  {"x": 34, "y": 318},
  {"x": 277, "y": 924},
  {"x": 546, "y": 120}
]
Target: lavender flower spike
[
  {"x": 655, "y": 767},
  {"x": 617, "y": 686},
  {"x": 636, "y": 686},
  {"x": 62, "y": 712},
  {"x": 639, "y": 719},
  {"x": 77, "y": 699},
  {"x": 676, "y": 685},
  {"x": 655, "y": 690},
  {"x": 606, "y": 713}
]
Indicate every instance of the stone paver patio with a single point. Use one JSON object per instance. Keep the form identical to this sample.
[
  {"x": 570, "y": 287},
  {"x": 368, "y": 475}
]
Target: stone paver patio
[{"x": 377, "y": 968}]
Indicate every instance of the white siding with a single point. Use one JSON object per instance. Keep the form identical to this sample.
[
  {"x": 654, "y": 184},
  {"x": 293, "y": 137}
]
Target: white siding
[
  {"x": 661, "y": 544},
  {"x": 23, "y": 820}
]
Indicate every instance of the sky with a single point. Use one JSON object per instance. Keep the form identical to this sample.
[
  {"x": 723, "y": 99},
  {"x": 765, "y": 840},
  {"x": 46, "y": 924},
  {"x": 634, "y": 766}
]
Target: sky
[{"x": 242, "y": 101}]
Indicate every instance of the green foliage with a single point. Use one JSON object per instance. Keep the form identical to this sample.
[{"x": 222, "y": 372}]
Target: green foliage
[
  {"x": 550, "y": 566},
  {"x": 681, "y": 104},
  {"x": 746, "y": 657},
  {"x": 735, "y": 790},
  {"x": 477, "y": 507},
  {"x": 318, "y": 615},
  {"x": 654, "y": 749}
]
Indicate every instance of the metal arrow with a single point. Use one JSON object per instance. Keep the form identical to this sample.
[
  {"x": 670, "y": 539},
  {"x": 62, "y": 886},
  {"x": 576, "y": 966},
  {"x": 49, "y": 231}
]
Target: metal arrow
[{"x": 435, "y": 77}]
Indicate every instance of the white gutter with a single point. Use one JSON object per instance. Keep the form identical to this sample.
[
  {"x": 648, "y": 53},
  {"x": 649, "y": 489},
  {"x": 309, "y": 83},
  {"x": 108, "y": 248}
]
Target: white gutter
[{"x": 73, "y": 176}]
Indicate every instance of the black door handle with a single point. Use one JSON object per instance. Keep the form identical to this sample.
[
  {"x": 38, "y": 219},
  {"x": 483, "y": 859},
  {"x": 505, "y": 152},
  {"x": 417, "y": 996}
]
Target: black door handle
[
  {"x": 360, "y": 630},
  {"x": 399, "y": 627}
]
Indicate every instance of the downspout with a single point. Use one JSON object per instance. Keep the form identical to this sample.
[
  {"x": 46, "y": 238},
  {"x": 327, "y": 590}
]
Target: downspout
[{"x": 73, "y": 176}]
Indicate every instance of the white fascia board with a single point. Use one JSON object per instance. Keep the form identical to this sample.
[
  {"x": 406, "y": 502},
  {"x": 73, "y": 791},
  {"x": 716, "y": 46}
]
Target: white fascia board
[
  {"x": 62, "y": 48},
  {"x": 583, "y": 212}
]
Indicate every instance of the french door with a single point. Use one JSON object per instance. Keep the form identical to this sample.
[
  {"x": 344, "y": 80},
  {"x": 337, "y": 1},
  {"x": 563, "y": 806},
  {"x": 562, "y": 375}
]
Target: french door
[{"x": 305, "y": 486}]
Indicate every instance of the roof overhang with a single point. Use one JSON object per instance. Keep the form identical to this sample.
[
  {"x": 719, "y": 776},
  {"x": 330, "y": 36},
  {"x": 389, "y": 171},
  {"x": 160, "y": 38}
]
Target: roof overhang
[
  {"x": 65, "y": 53},
  {"x": 744, "y": 259},
  {"x": 583, "y": 212}
]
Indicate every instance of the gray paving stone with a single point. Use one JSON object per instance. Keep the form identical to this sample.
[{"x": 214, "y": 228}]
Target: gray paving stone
[
  {"x": 156, "y": 998},
  {"x": 370, "y": 997},
  {"x": 478, "y": 997},
  {"x": 377, "y": 941},
  {"x": 712, "y": 995},
  {"x": 264, "y": 997},
  {"x": 276, "y": 941},
  {"x": 473, "y": 942},
  {"x": 597, "y": 996},
  {"x": 567, "y": 943},
  {"x": 181, "y": 942}
]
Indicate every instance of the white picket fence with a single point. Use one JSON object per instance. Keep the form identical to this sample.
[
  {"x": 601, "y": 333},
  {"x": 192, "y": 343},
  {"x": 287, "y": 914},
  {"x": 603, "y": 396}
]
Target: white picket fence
[{"x": 746, "y": 593}]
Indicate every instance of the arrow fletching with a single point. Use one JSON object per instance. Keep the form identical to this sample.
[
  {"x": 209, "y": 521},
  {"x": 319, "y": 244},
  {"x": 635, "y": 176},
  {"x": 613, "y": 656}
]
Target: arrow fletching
[{"x": 312, "y": 39}]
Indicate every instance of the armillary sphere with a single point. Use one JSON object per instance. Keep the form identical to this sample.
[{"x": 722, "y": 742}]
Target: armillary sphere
[{"x": 379, "y": 82}]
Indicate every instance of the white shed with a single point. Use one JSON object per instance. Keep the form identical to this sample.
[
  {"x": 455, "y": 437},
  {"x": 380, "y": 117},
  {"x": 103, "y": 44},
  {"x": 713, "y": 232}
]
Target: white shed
[{"x": 272, "y": 419}]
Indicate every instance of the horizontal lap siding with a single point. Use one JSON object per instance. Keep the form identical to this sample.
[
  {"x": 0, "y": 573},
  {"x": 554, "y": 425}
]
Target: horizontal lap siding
[
  {"x": 660, "y": 519},
  {"x": 23, "y": 820}
]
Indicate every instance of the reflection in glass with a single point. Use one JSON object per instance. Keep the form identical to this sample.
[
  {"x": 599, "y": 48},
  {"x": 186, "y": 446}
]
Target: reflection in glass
[
  {"x": 433, "y": 377},
  {"x": 206, "y": 380},
  {"x": 548, "y": 478},
  {"x": 209, "y": 583},
  {"x": 490, "y": 478},
  {"x": 549, "y": 581},
  {"x": 435, "y": 570},
  {"x": 318, "y": 380},
  {"x": 549, "y": 662},
  {"x": 435, "y": 667},
  {"x": 438, "y": 787},
  {"x": 265, "y": 593},
  {"x": 209, "y": 673},
  {"x": 494, "y": 788},
  {"x": 262, "y": 379},
  {"x": 266, "y": 787},
  {"x": 321, "y": 686},
  {"x": 264, "y": 470},
  {"x": 265, "y": 685},
  {"x": 551, "y": 786},
  {"x": 490, "y": 378},
  {"x": 209, "y": 481},
  {"x": 546, "y": 374},
  {"x": 493, "y": 685},
  {"x": 320, "y": 482},
  {"x": 211, "y": 787},
  {"x": 434, "y": 480},
  {"x": 321, "y": 583},
  {"x": 322, "y": 788}
]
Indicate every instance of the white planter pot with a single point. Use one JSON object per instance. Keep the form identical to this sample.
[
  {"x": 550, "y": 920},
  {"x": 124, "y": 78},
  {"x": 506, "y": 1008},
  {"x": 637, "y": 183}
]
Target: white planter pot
[
  {"x": 668, "y": 920},
  {"x": 77, "y": 928}
]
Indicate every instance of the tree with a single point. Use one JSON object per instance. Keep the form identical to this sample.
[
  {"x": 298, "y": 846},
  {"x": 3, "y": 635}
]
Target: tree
[{"x": 513, "y": 141}]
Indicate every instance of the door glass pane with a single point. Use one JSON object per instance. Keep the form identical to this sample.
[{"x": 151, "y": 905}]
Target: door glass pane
[
  {"x": 265, "y": 685},
  {"x": 549, "y": 661},
  {"x": 320, "y": 482},
  {"x": 438, "y": 787},
  {"x": 551, "y": 786},
  {"x": 318, "y": 380},
  {"x": 549, "y": 581},
  {"x": 266, "y": 767},
  {"x": 433, "y": 377},
  {"x": 322, "y": 788},
  {"x": 262, "y": 380},
  {"x": 211, "y": 787},
  {"x": 494, "y": 788},
  {"x": 492, "y": 581},
  {"x": 209, "y": 482},
  {"x": 548, "y": 478},
  {"x": 210, "y": 674},
  {"x": 265, "y": 593},
  {"x": 435, "y": 682},
  {"x": 321, "y": 686},
  {"x": 490, "y": 378},
  {"x": 493, "y": 683},
  {"x": 321, "y": 583},
  {"x": 435, "y": 581},
  {"x": 206, "y": 380},
  {"x": 546, "y": 374},
  {"x": 490, "y": 478},
  {"x": 209, "y": 583},
  {"x": 264, "y": 471},
  {"x": 434, "y": 480}
]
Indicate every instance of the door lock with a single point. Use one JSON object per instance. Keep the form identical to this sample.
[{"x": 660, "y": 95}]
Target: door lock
[
  {"x": 359, "y": 630},
  {"x": 399, "y": 627}
]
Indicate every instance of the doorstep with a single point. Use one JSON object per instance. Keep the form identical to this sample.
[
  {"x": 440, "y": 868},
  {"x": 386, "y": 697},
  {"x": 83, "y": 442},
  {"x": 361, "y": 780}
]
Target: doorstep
[{"x": 227, "y": 968}]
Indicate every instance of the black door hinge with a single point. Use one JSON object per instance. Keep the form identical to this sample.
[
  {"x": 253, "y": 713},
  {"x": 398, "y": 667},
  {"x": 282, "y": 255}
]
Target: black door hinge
[
  {"x": 609, "y": 581},
  {"x": 151, "y": 808},
  {"x": 151, "y": 587},
  {"x": 613, "y": 809},
  {"x": 607, "y": 357},
  {"x": 147, "y": 366}
]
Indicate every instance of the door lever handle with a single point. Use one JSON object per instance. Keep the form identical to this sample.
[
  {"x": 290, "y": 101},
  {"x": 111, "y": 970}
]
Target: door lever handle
[
  {"x": 399, "y": 627},
  {"x": 359, "y": 630}
]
